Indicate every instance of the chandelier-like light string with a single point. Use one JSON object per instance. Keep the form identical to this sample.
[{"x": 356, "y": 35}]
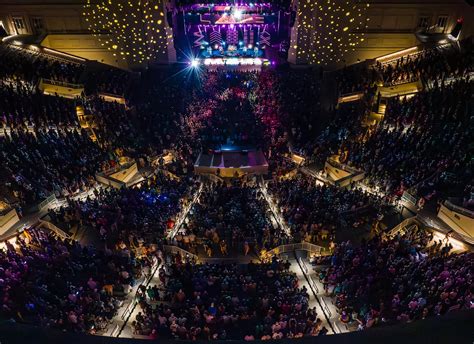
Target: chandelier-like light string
[
  {"x": 329, "y": 29},
  {"x": 132, "y": 30}
]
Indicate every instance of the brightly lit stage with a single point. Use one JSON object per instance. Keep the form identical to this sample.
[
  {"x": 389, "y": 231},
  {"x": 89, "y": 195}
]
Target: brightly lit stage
[
  {"x": 238, "y": 63},
  {"x": 233, "y": 36},
  {"x": 232, "y": 51},
  {"x": 231, "y": 161}
]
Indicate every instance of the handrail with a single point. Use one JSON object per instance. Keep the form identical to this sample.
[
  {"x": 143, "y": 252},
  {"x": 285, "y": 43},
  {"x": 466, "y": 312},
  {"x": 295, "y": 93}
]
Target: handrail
[
  {"x": 401, "y": 225},
  {"x": 302, "y": 246},
  {"x": 51, "y": 226},
  {"x": 116, "y": 328},
  {"x": 326, "y": 307},
  {"x": 51, "y": 198},
  {"x": 407, "y": 196},
  {"x": 350, "y": 97},
  {"x": 134, "y": 302},
  {"x": 185, "y": 212},
  {"x": 410, "y": 80},
  {"x": 303, "y": 265},
  {"x": 111, "y": 95},
  {"x": 175, "y": 249},
  {"x": 126, "y": 311},
  {"x": 117, "y": 168},
  {"x": 343, "y": 166},
  {"x": 62, "y": 83},
  {"x": 451, "y": 206},
  {"x": 389, "y": 58},
  {"x": 350, "y": 94},
  {"x": 311, "y": 286},
  {"x": 279, "y": 219}
]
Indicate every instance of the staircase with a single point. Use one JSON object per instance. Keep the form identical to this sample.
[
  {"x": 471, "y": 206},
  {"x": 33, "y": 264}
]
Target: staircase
[
  {"x": 382, "y": 106},
  {"x": 87, "y": 122}
]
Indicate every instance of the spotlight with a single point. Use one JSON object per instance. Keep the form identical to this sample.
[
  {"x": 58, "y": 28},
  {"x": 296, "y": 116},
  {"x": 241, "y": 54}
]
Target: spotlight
[
  {"x": 238, "y": 14},
  {"x": 194, "y": 63}
]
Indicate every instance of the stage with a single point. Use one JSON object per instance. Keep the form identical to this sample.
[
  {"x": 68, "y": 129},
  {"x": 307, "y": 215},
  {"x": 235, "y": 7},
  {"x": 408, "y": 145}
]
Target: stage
[
  {"x": 231, "y": 162},
  {"x": 237, "y": 36},
  {"x": 232, "y": 51},
  {"x": 233, "y": 63}
]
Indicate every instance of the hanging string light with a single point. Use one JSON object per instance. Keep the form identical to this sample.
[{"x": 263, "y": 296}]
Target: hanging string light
[
  {"x": 132, "y": 30},
  {"x": 329, "y": 29}
]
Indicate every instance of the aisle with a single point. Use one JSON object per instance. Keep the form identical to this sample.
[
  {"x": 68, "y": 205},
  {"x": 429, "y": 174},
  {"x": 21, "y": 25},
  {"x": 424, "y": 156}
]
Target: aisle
[
  {"x": 302, "y": 282},
  {"x": 120, "y": 325},
  {"x": 329, "y": 312}
]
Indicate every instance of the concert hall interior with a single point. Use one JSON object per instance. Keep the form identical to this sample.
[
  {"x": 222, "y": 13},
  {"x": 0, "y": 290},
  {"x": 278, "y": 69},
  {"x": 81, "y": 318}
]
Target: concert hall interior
[{"x": 236, "y": 170}]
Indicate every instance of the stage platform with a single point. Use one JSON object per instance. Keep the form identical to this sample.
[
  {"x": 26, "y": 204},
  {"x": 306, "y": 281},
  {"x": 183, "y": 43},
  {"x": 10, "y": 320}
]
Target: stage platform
[
  {"x": 231, "y": 162},
  {"x": 233, "y": 63}
]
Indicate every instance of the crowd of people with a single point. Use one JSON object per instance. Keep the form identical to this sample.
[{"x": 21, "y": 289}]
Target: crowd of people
[
  {"x": 31, "y": 66},
  {"x": 337, "y": 209},
  {"x": 135, "y": 217},
  {"x": 23, "y": 107},
  {"x": 228, "y": 219},
  {"x": 112, "y": 81},
  {"x": 432, "y": 129},
  {"x": 61, "y": 284},
  {"x": 437, "y": 64},
  {"x": 45, "y": 162},
  {"x": 219, "y": 302},
  {"x": 400, "y": 279}
]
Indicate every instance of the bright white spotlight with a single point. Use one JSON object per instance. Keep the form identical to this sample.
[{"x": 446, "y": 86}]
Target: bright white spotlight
[
  {"x": 194, "y": 63},
  {"x": 238, "y": 14}
]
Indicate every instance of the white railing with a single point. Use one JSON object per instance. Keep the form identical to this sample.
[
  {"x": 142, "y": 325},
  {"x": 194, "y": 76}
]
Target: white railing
[
  {"x": 52, "y": 227},
  {"x": 458, "y": 209},
  {"x": 171, "y": 234},
  {"x": 302, "y": 246},
  {"x": 46, "y": 202},
  {"x": 61, "y": 83},
  {"x": 273, "y": 207},
  {"x": 131, "y": 306}
]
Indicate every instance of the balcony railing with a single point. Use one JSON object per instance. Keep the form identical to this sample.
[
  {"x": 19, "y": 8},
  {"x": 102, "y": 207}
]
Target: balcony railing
[
  {"x": 458, "y": 209},
  {"x": 62, "y": 84}
]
